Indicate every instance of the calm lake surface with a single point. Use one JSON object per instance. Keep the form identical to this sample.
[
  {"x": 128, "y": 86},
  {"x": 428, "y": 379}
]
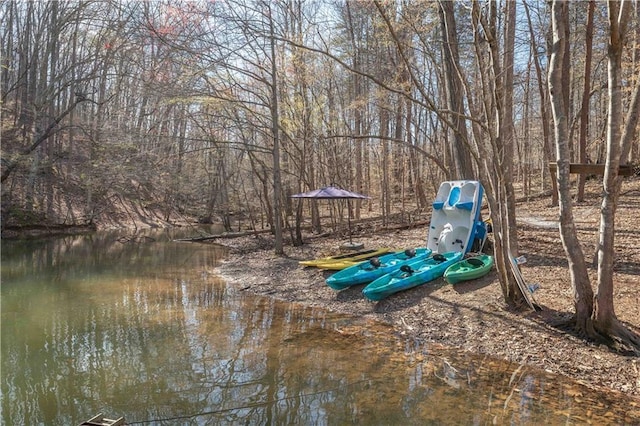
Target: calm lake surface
[{"x": 140, "y": 328}]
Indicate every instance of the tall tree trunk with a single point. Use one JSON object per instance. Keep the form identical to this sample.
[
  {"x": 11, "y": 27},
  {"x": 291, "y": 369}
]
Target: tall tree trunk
[
  {"x": 584, "y": 111},
  {"x": 455, "y": 97},
  {"x": 275, "y": 131},
  {"x": 547, "y": 143},
  {"x": 386, "y": 159},
  {"x": 505, "y": 79},
  {"x": 490, "y": 144},
  {"x": 357, "y": 91},
  {"x": 604, "y": 310},
  {"x": 583, "y": 293},
  {"x": 619, "y": 139}
]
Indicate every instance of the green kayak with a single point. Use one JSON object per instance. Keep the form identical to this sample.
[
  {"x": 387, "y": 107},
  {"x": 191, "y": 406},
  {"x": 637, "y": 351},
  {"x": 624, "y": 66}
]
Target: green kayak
[{"x": 469, "y": 269}]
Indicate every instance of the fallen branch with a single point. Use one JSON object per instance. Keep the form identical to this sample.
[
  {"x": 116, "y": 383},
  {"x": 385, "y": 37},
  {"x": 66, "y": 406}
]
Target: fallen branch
[{"x": 224, "y": 235}]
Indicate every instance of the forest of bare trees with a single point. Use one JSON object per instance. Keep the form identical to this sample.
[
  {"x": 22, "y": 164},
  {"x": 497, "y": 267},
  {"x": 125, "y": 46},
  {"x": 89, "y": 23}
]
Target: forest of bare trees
[{"x": 216, "y": 109}]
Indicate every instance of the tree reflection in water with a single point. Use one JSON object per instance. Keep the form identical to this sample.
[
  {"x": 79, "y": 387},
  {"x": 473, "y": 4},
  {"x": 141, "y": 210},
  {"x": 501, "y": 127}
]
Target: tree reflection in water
[{"x": 143, "y": 330}]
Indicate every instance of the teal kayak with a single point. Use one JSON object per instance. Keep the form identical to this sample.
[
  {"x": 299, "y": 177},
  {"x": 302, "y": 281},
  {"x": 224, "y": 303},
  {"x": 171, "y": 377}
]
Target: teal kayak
[
  {"x": 367, "y": 271},
  {"x": 469, "y": 269},
  {"x": 411, "y": 274}
]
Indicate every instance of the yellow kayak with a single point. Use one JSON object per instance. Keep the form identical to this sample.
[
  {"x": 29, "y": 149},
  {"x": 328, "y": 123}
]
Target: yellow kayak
[
  {"x": 344, "y": 260},
  {"x": 339, "y": 265}
]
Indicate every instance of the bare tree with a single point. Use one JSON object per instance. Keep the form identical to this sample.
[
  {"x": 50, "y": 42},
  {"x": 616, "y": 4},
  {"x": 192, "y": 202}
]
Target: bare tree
[
  {"x": 494, "y": 132},
  {"x": 586, "y": 96},
  {"x": 455, "y": 92},
  {"x": 547, "y": 142},
  {"x": 594, "y": 316},
  {"x": 619, "y": 139},
  {"x": 9, "y": 165},
  {"x": 275, "y": 132}
]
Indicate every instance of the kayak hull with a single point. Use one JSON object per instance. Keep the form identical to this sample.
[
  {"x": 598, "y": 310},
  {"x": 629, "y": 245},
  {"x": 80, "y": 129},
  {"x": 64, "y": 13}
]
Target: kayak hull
[
  {"x": 345, "y": 260},
  {"x": 421, "y": 271},
  {"x": 338, "y": 266},
  {"x": 366, "y": 272},
  {"x": 469, "y": 269}
]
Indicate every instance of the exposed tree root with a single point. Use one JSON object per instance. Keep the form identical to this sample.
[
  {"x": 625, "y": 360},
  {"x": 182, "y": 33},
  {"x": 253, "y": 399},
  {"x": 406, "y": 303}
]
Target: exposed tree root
[
  {"x": 621, "y": 339},
  {"x": 617, "y": 337}
]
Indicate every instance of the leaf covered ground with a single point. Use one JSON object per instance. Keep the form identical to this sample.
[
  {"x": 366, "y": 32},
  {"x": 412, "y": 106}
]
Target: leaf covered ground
[{"x": 471, "y": 315}]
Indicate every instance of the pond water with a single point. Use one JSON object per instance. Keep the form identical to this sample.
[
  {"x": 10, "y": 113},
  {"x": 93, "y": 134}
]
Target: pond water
[{"x": 140, "y": 328}]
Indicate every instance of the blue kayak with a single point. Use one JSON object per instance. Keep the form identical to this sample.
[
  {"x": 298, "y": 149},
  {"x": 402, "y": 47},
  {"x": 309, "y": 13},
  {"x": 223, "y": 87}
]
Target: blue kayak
[
  {"x": 367, "y": 271},
  {"x": 411, "y": 274}
]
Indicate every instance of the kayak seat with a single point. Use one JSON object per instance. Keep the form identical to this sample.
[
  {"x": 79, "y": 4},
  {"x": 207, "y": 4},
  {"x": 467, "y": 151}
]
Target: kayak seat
[
  {"x": 410, "y": 253},
  {"x": 407, "y": 269},
  {"x": 439, "y": 258},
  {"x": 475, "y": 262},
  {"x": 375, "y": 262}
]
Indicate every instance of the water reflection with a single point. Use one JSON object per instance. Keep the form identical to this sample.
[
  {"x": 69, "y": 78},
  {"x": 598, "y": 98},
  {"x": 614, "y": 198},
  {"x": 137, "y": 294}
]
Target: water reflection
[{"x": 91, "y": 324}]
